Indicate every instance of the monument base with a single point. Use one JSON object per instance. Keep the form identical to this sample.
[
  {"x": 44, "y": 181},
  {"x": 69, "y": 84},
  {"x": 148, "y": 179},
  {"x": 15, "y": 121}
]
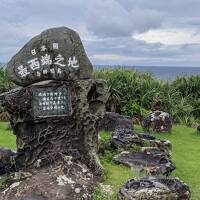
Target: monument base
[
  {"x": 70, "y": 181},
  {"x": 44, "y": 134}
]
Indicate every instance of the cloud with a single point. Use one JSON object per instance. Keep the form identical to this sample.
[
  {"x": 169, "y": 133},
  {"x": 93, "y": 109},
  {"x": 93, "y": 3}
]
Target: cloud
[
  {"x": 145, "y": 19},
  {"x": 128, "y": 51},
  {"x": 168, "y": 31},
  {"x": 170, "y": 36},
  {"x": 108, "y": 19},
  {"x": 111, "y": 19}
]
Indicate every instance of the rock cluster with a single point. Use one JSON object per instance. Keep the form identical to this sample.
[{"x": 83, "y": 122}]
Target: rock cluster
[
  {"x": 157, "y": 121},
  {"x": 154, "y": 188},
  {"x": 150, "y": 155}
]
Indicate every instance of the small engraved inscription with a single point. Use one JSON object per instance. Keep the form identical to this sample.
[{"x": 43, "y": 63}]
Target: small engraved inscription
[{"x": 51, "y": 101}]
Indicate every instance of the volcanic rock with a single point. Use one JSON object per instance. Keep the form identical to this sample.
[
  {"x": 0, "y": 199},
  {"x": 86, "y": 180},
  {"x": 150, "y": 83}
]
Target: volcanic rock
[
  {"x": 5, "y": 159},
  {"x": 112, "y": 121},
  {"x": 157, "y": 121},
  {"x": 154, "y": 188},
  {"x": 72, "y": 181},
  {"x": 55, "y": 54},
  {"x": 152, "y": 161},
  {"x": 54, "y": 117},
  {"x": 127, "y": 138}
]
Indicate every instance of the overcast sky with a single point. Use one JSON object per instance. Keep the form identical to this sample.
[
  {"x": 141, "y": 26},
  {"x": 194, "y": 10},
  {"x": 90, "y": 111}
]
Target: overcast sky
[{"x": 118, "y": 32}]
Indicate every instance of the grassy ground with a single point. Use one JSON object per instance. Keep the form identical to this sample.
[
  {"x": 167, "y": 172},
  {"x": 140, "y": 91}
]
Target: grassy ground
[
  {"x": 7, "y": 139},
  {"x": 186, "y": 155}
]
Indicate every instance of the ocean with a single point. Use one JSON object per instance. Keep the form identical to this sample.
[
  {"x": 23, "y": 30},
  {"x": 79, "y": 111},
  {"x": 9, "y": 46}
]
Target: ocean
[
  {"x": 164, "y": 73},
  {"x": 160, "y": 73}
]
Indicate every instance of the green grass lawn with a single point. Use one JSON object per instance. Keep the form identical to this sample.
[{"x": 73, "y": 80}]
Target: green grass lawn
[
  {"x": 7, "y": 139},
  {"x": 186, "y": 156}
]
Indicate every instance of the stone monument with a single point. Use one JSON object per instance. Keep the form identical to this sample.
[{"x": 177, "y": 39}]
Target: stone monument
[{"x": 54, "y": 115}]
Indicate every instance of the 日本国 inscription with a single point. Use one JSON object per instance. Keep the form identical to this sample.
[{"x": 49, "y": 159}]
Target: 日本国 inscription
[
  {"x": 51, "y": 101},
  {"x": 40, "y": 64}
]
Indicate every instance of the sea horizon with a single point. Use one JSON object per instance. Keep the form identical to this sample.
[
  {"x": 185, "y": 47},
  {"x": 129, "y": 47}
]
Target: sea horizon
[{"x": 166, "y": 73}]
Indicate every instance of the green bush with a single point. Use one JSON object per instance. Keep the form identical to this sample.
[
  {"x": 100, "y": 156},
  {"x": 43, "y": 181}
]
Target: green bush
[
  {"x": 5, "y": 86},
  {"x": 106, "y": 151},
  {"x": 5, "y": 83},
  {"x": 189, "y": 88},
  {"x": 133, "y": 93},
  {"x": 131, "y": 108}
]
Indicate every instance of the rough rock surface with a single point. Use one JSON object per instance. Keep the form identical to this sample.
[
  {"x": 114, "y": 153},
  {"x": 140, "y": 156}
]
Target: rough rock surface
[
  {"x": 112, "y": 121},
  {"x": 42, "y": 141},
  {"x": 68, "y": 60},
  {"x": 127, "y": 138},
  {"x": 154, "y": 188},
  {"x": 72, "y": 181},
  {"x": 5, "y": 155},
  {"x": 152, "y": 161},
  {"x": 157, "y": 121}
]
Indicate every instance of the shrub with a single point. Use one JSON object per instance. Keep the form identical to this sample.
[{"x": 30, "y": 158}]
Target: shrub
[
  {"x": 134, "y": 93},
  {"x": 5, "y": 83}
]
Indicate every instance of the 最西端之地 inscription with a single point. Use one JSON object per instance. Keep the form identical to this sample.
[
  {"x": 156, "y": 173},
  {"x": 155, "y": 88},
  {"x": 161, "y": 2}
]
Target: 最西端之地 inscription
[{"x": 36, "y": 63}]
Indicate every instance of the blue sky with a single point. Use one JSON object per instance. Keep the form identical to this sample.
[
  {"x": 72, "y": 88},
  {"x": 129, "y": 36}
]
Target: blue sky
[{"x": 116, "y": 32}]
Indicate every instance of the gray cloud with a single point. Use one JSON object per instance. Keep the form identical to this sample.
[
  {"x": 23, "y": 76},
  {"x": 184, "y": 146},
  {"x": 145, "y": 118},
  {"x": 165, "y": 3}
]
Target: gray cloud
[
  {"x": 111, "y": 19},
  {"x": 108, "y": 19},
  {"x": 106, "y": 27},
  {"x": 133, "y": 52}
]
